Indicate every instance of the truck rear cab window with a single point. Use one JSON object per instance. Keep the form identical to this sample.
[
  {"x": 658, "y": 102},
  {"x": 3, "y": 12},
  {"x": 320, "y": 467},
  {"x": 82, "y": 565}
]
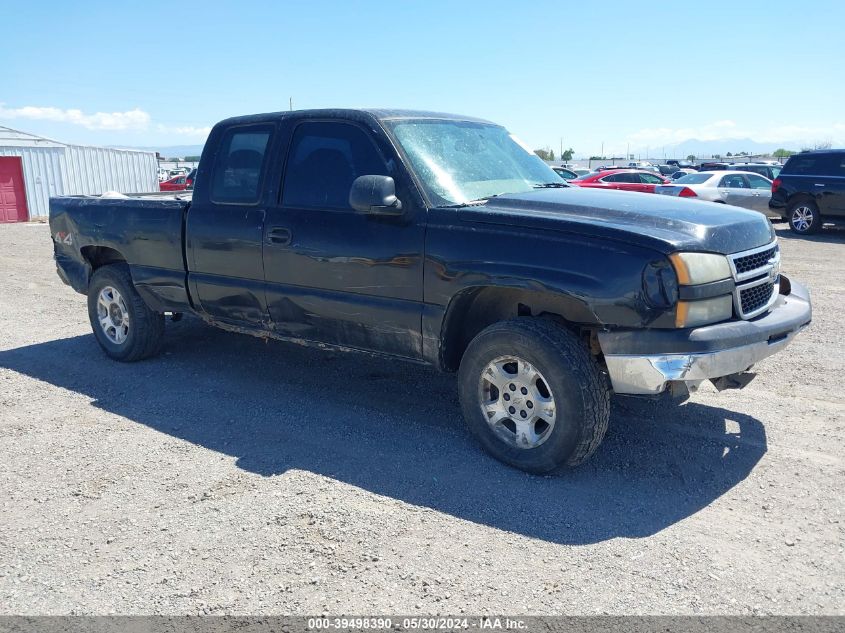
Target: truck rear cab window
[
  {"x": 325, "y": 158},
  {"x": 240, "y": 165}
]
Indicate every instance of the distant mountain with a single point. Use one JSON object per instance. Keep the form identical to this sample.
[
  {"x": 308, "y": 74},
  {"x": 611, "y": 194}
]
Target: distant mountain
[
  {"x": 172, "y": 151},
  {"x": 706, "y": 149}
]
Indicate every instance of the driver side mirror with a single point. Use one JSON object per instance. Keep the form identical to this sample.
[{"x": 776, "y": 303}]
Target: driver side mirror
[{"x": 375, "y": 195}]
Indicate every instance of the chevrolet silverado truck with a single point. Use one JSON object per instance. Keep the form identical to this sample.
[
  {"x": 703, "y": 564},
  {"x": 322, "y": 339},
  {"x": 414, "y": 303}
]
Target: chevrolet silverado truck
[{"x": 443, "y": 240}]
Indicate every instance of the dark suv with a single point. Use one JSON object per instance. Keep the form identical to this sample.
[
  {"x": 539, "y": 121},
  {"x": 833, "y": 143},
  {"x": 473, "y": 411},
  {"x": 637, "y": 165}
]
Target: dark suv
[{"x": 810, "y": 190}]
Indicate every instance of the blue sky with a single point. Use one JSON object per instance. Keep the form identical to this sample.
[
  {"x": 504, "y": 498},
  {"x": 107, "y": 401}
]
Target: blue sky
[{"x": 619, "y": 73}]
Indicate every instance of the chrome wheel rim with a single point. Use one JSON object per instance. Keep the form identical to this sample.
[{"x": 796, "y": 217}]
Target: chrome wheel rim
[
  {"x": 517, "y": 402},
  {"x": 113, "y": 315},
  {"x": 802, "y": 218}
]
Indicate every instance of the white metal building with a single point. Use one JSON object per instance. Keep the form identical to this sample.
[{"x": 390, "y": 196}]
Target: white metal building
[{"x": 33, "y": 168}]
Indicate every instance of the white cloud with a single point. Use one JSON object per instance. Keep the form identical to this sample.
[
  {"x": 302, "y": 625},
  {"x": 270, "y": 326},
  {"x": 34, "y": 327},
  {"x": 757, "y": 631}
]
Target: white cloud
[
  {"x": 135, "y": 119},
  {"x": 800, "y": 133},
  {"x": 188, "y": 130},
  {"x": 667, "y": 136}
]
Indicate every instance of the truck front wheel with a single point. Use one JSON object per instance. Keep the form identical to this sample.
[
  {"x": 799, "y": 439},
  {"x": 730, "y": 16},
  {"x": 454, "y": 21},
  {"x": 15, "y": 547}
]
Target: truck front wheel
[
  {"x": 533, "y": 396},
  {"x": 123, "y": 325}
]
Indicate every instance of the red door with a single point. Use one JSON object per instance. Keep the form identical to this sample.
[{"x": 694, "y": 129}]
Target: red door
[{"x": 12, "y": 191}]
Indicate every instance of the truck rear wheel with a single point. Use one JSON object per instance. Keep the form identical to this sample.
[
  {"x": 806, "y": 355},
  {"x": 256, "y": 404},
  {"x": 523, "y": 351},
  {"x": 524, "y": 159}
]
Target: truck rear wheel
[
  {"x": 533, "y": 396},
  {"x": 123, "y": 325}
]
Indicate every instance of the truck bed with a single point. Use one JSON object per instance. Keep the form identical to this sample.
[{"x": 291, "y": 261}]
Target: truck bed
[{"x": 144, "y": 230}]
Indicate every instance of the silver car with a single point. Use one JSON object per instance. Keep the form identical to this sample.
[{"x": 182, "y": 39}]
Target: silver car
[{"x": 739, "y": 188}]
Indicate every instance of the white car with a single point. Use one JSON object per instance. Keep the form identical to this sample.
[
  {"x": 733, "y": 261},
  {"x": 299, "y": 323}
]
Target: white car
[{"x": 739, "y": 188}]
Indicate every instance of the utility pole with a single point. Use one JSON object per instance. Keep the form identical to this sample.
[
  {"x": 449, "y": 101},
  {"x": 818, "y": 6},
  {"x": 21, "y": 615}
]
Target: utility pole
[
  {"x": 561, "y": 148},
  {"x": 602, "y": 150},
  {"x": 290, "y": 101}
]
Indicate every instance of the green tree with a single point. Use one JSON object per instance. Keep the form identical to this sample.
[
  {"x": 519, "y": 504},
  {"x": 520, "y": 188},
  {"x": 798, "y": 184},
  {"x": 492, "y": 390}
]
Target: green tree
[
  {"x": 551, "y": 154},
  {"x": 192, "y": 159},
  {"x": 691, "y": 157},
  {"x": 545, "y": 154},
  {"x": 567, "y": 155},
  {"x": 728, "y": 154},
  {"x": 782, "y": 153}
]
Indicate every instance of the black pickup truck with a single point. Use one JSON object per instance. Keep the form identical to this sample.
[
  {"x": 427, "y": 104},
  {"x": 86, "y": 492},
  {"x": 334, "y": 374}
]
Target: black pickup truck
[{"x": 442, "y": 240}]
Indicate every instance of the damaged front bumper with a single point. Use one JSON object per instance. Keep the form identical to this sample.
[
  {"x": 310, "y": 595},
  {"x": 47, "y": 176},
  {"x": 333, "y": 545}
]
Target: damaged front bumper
[{"x": 648, "y": 362}]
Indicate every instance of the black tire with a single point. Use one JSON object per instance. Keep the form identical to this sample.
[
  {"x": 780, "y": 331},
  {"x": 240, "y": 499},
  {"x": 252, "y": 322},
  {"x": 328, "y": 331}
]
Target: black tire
[
  {"x": 804, "y": 217},
  {"x": 579, "y": 389},
  {"x": 144, "y": 329}
]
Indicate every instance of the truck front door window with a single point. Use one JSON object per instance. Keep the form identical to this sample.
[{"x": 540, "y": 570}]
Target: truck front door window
[{"x": 324, "y": 159}]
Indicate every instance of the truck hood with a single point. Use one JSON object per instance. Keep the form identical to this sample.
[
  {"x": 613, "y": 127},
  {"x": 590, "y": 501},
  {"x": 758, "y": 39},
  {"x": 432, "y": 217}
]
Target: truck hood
[{"x": 663, "y": 223}]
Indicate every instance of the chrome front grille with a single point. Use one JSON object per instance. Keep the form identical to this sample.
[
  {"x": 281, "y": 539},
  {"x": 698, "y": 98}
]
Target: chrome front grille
[
  {"x": 754, "y": 261},
  {"x": 756, "y": 297},
  {"x": 757, "y": 274}
]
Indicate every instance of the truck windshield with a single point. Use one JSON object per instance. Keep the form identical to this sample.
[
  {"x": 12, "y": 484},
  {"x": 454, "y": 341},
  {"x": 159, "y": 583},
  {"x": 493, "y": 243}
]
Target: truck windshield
[{"x": 462, "y": 161}]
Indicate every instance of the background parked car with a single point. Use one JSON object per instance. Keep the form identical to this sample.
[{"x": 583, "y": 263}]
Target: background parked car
[
  {"x": 764, "y": 169},
  {"x": 667, "y": 170},
  {"x": 624, "y": 179},
  {"x": 609, "y": 167},
  {"x": 682, "y": 164},
  {"x": 741, "y": 189},
  {"x": 644, "y": 165},
  {"x": 563, "y": 172},
  {"x": 582, "y": 172},
  {"x": 810, "y": 190},
  {"x": 681, "y": 173},
  {"x": 177, "y": 183}
]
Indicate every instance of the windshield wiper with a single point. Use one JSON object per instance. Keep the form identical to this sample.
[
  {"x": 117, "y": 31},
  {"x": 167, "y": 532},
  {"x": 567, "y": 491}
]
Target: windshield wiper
[
  {"x": 472, "y": 203},
  {"x": 551, "y": 185}
]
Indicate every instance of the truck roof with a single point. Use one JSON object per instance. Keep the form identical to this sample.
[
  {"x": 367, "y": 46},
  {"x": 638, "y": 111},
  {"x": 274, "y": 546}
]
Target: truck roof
[{"x": 382, "y": 114}]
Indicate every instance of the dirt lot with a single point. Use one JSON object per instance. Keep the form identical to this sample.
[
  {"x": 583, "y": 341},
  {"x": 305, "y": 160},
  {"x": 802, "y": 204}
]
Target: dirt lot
[{"x": 231, "y": 475}]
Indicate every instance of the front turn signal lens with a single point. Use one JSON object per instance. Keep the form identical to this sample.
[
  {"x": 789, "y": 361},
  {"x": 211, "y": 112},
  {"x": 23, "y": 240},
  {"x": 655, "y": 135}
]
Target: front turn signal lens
[{"x": 703, "y": 311}]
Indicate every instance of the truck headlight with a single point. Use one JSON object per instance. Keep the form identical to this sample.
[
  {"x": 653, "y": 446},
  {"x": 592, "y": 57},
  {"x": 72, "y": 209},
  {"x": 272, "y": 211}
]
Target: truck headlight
[
  {"x": 694, "y": 269},
  {"x": 699, "y": 268},
  {"x": 703, "y": 311}
]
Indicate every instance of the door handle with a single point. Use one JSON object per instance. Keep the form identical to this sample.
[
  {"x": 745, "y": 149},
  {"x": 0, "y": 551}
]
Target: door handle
[{"x": 279, "y": 235}]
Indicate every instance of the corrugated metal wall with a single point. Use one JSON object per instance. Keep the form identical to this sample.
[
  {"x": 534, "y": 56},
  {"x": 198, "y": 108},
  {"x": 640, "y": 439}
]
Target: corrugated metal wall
[
  {"x": 95, "y": 170},
  {"x": 72, "y": 169}
]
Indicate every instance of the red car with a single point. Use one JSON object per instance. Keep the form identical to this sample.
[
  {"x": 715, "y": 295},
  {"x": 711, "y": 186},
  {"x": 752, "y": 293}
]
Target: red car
[
  {"x": 177, "y": 183},
  {"x": 624, "y": 179}
]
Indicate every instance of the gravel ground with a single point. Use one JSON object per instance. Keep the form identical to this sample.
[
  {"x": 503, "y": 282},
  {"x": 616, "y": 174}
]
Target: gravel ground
[{"x": 231, "y": 475}]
